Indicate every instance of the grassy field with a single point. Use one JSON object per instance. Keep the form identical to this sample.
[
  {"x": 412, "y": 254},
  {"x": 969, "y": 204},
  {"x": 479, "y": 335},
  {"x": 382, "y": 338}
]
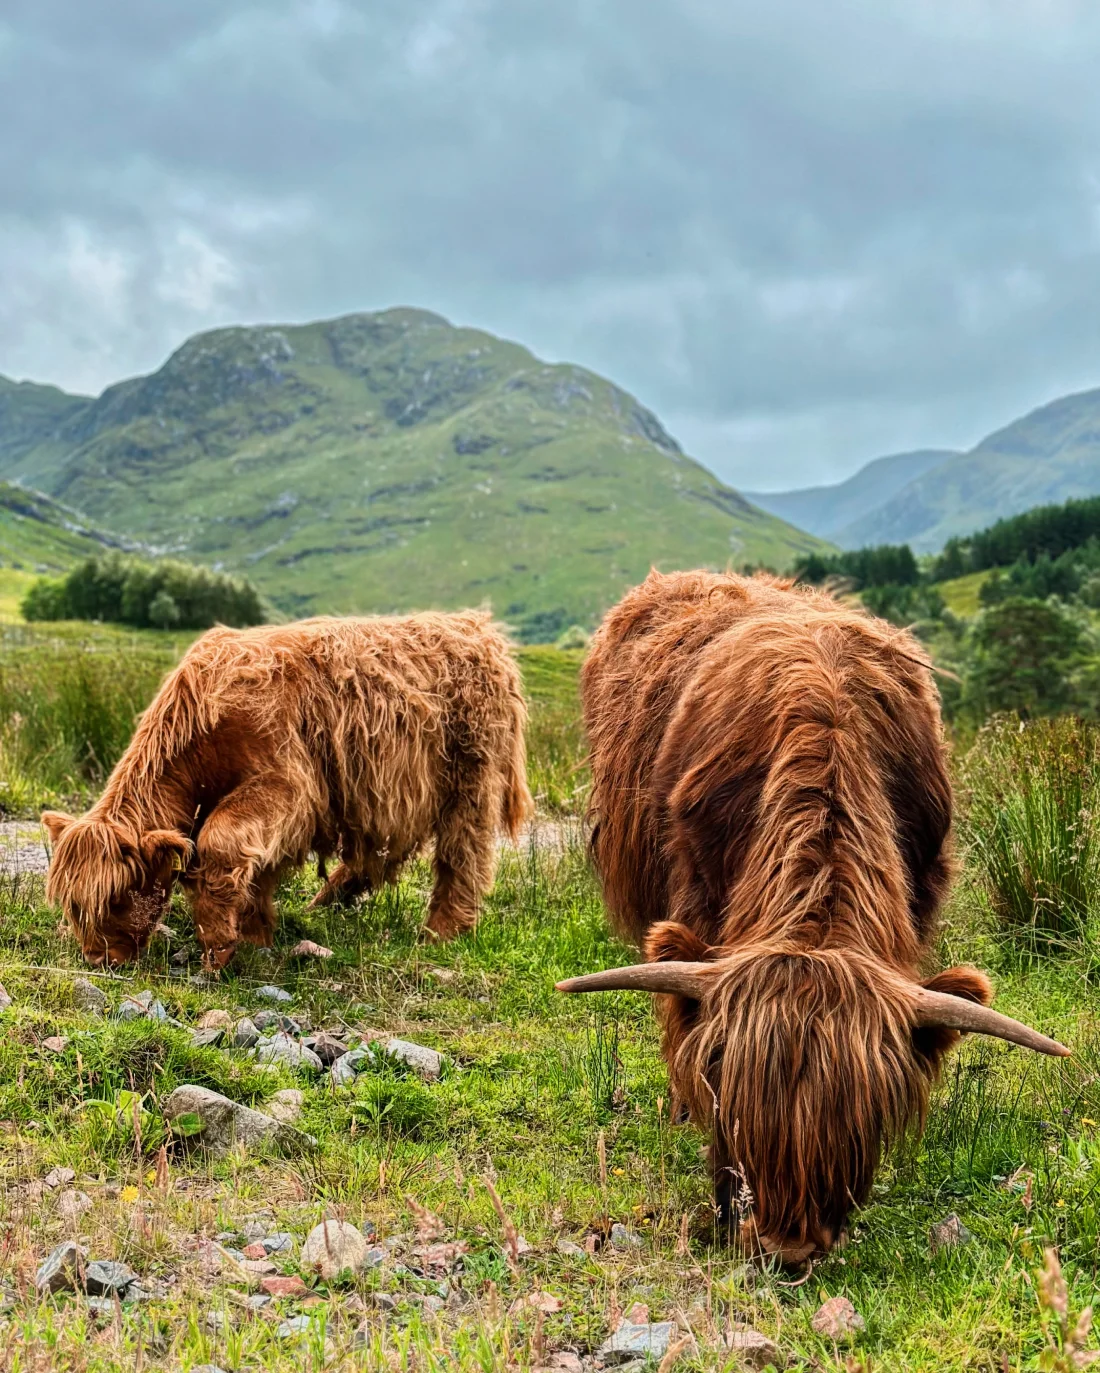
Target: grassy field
[{"x": 557, "y": 1106}]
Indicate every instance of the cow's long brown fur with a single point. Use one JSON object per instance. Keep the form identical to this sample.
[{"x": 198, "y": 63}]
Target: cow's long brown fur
[
  {"x": 362, "y": 737},
  {"x": 770, "y": 795}
]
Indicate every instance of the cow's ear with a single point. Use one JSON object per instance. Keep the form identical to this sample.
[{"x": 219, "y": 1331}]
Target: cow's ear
[
  {"x": 56, "y": 823},
  {"x": 165, "y": 852},
  {"x": 669, "y": 941}
]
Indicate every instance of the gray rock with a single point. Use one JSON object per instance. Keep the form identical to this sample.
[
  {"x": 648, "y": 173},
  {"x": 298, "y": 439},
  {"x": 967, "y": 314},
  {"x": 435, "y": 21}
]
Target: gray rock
[
  {"x": 71, "y": 1205},
  {"x": 427, "y": 1063},
  {"x": 568, "y": 1247},
  {"x": 224, "y": 1122},
  {"x": 296, "y": 1325},
  {"x": 279, "y": 1243},
  {"x": 103, "y": 1307},
  {"x": 430, "y": 1304},
  {"x": 285, "y": 1105},
  {"x": 630, "y": 1341},
  {"x": 5, "y": 999},
  {"x": 256, "y": 1301},
  {"x": 333, "y": 1247},
  {"x": 57, "y": 1177},
  {"x": 948, "y": 1233},
  {"x": 837, "y": 1319},
  {"x": 62, "y": 1270},
  {"x": 754, "y": 1350},
  {"x": 246, "y": 1034},
  {"x": 281, "y": 1048},
  {"x": 207, "y": 1039},
  {"x": 206, "y": 1368},
  {"x": 216, "y": 1320},
  {"x": 385, "y": 1301},
  {"x": 141, "y": 1006},
  {"x": 88, "y": 997},
  {"x": 346, "y": 1068},
  {"x": 374, "y": 1257},
  {"x": 622, "y": 1238},
  {"x": 327, "y": 1048},
  {"x": 271, "y": 993},
  {"x": 274, "y": 1021},
  {"x": 104, "y": 1278}
]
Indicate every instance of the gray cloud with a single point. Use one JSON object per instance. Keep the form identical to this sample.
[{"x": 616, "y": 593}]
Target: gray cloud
[{"x": 804, "y": 234}]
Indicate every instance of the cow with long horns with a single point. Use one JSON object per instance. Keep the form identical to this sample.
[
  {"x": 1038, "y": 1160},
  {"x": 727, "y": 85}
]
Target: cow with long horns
[{"x": 771, "y": 817}]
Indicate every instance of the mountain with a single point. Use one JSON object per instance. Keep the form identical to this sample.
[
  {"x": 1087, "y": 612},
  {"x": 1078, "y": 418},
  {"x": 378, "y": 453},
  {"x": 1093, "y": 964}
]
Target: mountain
[
  {"x": 38, "y": 535},
  {"x": 828, "y": 511},
  {"x": 387, "y": 461},
  {"x": 29, "y": 413}
]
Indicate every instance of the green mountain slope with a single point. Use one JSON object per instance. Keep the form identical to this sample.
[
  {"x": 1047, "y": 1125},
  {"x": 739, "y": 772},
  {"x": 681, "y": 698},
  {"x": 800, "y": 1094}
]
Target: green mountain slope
[
  {"x": 1046, "y": 457},
  {"x": 828, "y": 511},
  {"x": 29, "y": 414},
  {"x": 38, "y": 535},
  {"x": 386, "y": 461}
]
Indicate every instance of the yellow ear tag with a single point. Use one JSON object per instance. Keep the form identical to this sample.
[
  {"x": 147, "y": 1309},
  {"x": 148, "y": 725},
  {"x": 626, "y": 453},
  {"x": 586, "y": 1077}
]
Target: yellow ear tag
[{"x": 177, "y": 863}]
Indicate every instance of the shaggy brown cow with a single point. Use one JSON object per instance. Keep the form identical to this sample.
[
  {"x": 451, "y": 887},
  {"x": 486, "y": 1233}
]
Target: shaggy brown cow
[
  {"x": 771, "y": 813},
  {"x": 362, "y": 737}
]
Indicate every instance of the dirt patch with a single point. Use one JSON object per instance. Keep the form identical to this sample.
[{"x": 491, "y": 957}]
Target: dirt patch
[{"x": 22, "y": 848}]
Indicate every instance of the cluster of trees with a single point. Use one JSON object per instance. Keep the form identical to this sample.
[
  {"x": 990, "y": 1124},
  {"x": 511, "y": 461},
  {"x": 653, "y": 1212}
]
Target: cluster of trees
[
  {"x": 1034, "y": 647},
  {"x": 157, "y": 595}
]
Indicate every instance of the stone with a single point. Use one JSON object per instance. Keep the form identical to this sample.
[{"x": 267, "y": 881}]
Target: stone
[
  {"x": 426, "y": 1063},
  {"x": 384, "y": 1301},
  {"x": 948, "y": 1233},
  {"x": 622, "y": 1238},
  {"x": 754, "y": 1350},
  {"x": 568, "y": 1247},
  {"x": 632, "y": 1341},
  {"x": 268, "y": 1021},
  {"x": 272, "y": 993},
  {"x": 256, "y": 1301},
  {"x": 246, "y": 1034},
  {"x": 282, "y": 1048},
  {"x": 347, "y": 1066},
  {"x": 88, "y": 997},
  {"x": 224, "y": 1122},
  {"x": 141, "y": 1006},
  {"x": 306, "y": 948},
  {"x": 56, "y": 1044},
  {"x": 297, "y": 1325},
  {"x": 206, "y": 1368},
  {"x": 291, "y": 1286},
  {"x": 566, "y": 1361},
  {"x": 216, "y": 1320},
  {"x": 285, "y": 1105},
  {"x": 209, "y": 1038},
  {"x": 327, "y": 1048},
  {"x": 71, "y": 1205},
  {"x": 102, "y": 1307},
  {"x": 837, "y": 1319},
  {"x": 279, "y": 1243},
  {"x": 5, "y": 999},
  {"x": 105, "y": 1278},
  {"x": 429, "y": 1303},
  {"x": 333, "y": 1247},
  {"x": 58, "y": 1177},
  {"x": 258, "y": 1268},
  {"x": 62, "y": 1270},
  {"x": 214, "y": 1020},
  {"x": 255, "y": 1250},
  {"x": 375, "y": 1257}
]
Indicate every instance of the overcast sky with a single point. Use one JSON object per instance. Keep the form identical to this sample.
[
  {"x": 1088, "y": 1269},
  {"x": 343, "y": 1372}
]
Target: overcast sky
[{"x": 804, "y": 233}]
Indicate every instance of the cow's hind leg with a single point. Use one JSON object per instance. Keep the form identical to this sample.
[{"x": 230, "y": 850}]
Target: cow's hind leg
[
  {"x": 341, "y": 888},
  {"x": 465, "y": 865}
]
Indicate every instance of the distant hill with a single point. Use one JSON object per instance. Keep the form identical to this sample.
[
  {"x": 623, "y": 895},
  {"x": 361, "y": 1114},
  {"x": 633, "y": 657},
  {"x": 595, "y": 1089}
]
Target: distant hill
[
  {"x": 38, "y": 535},
  {"x": 829, "y": 511},
  {"x": 387, "y": 461},
  {"x": 1049, "y": 456}
]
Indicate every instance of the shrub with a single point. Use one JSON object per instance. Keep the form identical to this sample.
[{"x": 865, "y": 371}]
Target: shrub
[
  {"x": 1022, "y": 656},
  {"x": 1031, "y": 823},
  {"x": 161, "y": 595}
]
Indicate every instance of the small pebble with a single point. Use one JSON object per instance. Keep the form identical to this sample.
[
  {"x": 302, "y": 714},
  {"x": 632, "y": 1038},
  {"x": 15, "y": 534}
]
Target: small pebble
[
  {"x": 104, "y": 1278},
  {"x": 5, "y": 999},
  {"x": 297, "y": 1325},
  {"x": 56, "y": 1044},
  {"x": 58, "y": 1177},
  {"x": 272, "y": 993},
  {"x": 246, "y": 1034},
  {"x": 279, "y": 1243},
  {"x": 207, "y": 1039},
  {"x": 72, "y": 1205},
  {"x": 88, "y": 997},
  {"x": 622, "y": 1238}
]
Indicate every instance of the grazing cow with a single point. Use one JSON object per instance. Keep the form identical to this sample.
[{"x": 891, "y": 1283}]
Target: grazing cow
[
  {"x": 364, "y": 738},
  {"x": 771, "y": 813}
]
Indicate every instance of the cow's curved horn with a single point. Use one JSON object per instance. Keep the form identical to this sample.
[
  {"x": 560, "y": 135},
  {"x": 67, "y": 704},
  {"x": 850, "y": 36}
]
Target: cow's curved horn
[
  {"x": 685, "y": 979},
  {"x": 956, "y": 1013}
]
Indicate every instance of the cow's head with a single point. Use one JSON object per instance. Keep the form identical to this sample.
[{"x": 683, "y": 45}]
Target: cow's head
[
  {"x": 112, "y": 883},
  {"x": 803, "y": 1064}
]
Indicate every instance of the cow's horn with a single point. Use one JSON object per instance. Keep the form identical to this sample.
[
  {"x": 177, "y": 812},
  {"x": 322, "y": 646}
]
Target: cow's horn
[
  {"x": 685, "y": 979},
  {"x": 956, "y": 1013}
]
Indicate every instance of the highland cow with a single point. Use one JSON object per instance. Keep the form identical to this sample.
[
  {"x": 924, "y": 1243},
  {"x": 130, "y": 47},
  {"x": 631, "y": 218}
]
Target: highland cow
[
  {"x": 771, "y": 815},
  {"x": 362, "y": 738}
]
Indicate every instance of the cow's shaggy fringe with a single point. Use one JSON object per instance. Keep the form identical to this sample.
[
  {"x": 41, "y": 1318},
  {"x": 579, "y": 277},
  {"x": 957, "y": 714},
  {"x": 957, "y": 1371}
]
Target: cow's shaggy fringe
[
  {"x": 770, "y": 794},
  {"x": 359, "y": 737}
]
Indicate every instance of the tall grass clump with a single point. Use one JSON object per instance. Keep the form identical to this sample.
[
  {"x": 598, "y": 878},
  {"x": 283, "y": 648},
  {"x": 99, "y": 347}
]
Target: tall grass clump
[
  {"x": 1031, "y": 825},
  {"x": 66, "y": 715}
]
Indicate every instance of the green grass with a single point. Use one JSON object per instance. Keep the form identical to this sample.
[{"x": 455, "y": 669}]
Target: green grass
[
  {"x": 392, "y": 461},
  {"x": 961, "y": 593},
  {"x": 533, "y": 1081}
]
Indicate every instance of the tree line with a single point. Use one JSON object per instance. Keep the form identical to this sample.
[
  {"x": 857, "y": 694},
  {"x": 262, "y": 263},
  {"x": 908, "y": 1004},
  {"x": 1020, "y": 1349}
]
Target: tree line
[{"x": 167, "y": 594}]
